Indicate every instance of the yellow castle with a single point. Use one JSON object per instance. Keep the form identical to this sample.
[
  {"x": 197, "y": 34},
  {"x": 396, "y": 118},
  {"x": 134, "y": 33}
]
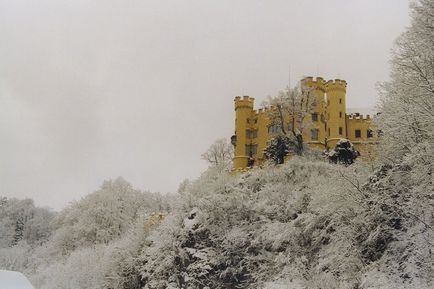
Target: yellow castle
[{"x": 328, "y": 123}]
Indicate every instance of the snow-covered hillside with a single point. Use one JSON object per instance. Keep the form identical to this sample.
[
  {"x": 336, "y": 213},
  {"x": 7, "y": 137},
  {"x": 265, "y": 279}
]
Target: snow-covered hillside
[{"x": 306, "y": 224}]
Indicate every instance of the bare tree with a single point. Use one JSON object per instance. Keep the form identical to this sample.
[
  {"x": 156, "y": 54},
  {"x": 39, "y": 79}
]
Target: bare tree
[
  {"x": 288, "y": 116},
  {"x": 220, "y": 153}
]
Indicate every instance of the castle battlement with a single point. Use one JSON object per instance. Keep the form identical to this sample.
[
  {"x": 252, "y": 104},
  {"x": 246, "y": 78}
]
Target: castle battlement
[
  {"x": 358, "y": 116},
  {"x": 245, "y": 102},
  {"x": 337, "y": 84},
  {"x": 313, "y": 80},
  {"x": 318, "y": 82}
]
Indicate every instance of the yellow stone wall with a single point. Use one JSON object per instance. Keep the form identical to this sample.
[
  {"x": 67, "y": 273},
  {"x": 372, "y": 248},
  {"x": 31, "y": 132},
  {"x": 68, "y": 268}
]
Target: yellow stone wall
[
  {"x": 364, "y": 144},
  {"x": 333, "y": 123}
]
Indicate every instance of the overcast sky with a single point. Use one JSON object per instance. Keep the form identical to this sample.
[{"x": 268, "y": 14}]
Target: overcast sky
[{"x": 92, "y": 90}]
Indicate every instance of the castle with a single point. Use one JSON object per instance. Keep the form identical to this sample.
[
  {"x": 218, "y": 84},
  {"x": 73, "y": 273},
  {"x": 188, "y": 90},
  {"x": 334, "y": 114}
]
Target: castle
[{"x": 326, "y": 124}]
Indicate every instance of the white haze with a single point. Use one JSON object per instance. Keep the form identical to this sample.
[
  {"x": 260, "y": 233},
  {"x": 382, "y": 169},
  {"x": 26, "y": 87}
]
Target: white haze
[{"x": 90, "y": 90}]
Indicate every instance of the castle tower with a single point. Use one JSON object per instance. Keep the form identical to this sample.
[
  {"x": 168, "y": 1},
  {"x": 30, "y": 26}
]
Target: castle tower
[
  {"x": 335, "y": 110},
  {"x": 315, "y": 132},
  {"x": 243, "y": 110}
]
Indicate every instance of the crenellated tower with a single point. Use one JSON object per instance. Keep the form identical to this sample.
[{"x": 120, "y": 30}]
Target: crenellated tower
[
  {"x": 336, "y": 111},
  {"x": 243, "y": 112}
]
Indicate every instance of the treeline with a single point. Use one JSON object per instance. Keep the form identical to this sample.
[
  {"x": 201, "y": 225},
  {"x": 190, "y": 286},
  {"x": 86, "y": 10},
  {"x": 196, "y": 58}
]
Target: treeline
[{"x": 80, "y": 246}]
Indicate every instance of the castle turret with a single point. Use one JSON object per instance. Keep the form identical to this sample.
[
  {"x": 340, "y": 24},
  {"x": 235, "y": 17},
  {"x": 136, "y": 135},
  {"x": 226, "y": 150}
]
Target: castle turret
[
  {"x": 315, "y": 122},
  {"x": 243, "y": 110},
  {"x": 336, "y": 125}
]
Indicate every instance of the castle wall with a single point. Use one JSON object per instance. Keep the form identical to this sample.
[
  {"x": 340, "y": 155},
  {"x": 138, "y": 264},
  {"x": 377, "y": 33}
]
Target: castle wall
[
  {"x": 262, "y": 137},
  {"x": 364, "y": 143}
]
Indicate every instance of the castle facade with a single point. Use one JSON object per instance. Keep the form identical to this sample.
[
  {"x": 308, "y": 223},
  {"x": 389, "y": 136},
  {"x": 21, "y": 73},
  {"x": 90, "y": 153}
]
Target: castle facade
[{"x": 326, "y": 124}]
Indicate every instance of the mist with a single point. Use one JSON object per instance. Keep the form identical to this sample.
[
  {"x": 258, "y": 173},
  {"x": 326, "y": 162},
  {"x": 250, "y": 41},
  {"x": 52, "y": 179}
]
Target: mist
[{"x": 92, "y": 90}]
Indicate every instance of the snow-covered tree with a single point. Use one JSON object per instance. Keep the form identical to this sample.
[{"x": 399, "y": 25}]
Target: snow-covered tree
[
  {"x": 407, "y": 102},
  {"x": 288, "y": 115},
  {"x": 277, "y": 148},
  {"x": 22, "y": 220},
  {"x": 343, "y": 153},
  {"x": 102, "y": 216},
  {"x": 220, "y": 153},
  {"x": 402, "y": 188}
]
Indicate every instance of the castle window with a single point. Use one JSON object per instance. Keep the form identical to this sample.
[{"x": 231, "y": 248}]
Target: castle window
[
  {"x": 340, "y": 130},
  {"x": 254, "y": 133},
  {"x": 314, "y": 134},
  {"x": 248, "y": 134},
  {"x": 340, "y": 114},
  {"x": 340, "y": 100},
  {"x": 369, "y": 133},
  {"x": 254, "y": 149},
  {"x": 358, "y": 133},
  {"x": 251, "y": 149},
  {"x": 314, "y": 116}
]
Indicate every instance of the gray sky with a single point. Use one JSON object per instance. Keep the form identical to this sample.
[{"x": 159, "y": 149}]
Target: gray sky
[{"x": 92, "y": 90}]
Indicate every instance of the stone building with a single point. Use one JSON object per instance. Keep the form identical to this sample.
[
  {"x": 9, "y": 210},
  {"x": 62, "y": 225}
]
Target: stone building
[{"x": 325, "y": 125}]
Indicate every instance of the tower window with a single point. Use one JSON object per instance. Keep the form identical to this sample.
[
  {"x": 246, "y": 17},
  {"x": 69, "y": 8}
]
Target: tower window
[
  {"x": 254, "y": 133},
  {"x": 358, "y": 133},
  {"x": 248, "y": 134},
  {"x": 340, "y": 130},
  {"x": 340, "y": 114},
  {"x": 369, "y": 133},
  {"x": 251, "y": 149},
  {"x": 340, "y": 100},
  {"x": 314, "y": 134},
  {"x": 314, "y": 116}
]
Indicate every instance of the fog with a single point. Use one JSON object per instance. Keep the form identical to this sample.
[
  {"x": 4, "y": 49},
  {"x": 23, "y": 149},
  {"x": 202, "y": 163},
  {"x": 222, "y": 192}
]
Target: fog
[{"x": 92, "y": 90}]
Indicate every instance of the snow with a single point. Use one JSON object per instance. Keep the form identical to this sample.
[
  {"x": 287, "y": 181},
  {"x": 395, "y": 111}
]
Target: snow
[
  {"x": 13, "y": 280},
  {"x": 304, "y": 224}
]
